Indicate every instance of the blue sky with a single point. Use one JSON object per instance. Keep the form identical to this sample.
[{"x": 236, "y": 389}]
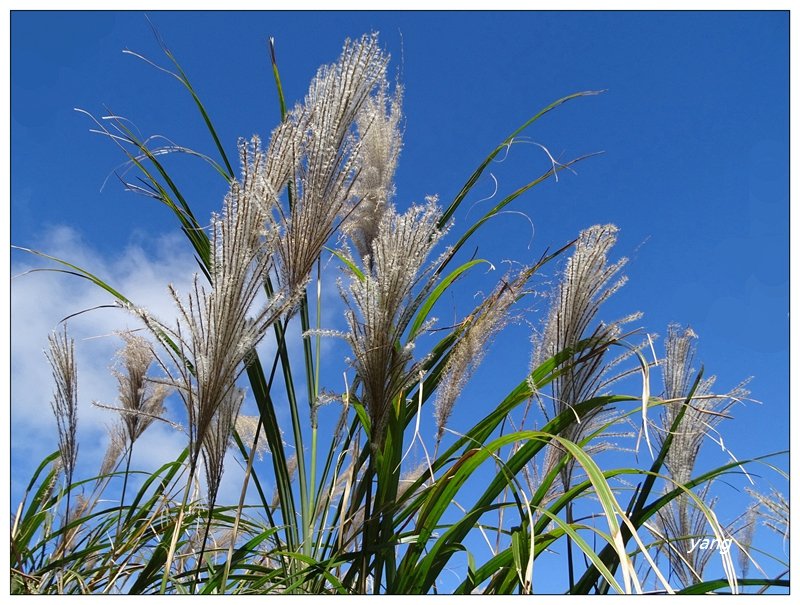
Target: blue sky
[{"x": 693, "y": 126}]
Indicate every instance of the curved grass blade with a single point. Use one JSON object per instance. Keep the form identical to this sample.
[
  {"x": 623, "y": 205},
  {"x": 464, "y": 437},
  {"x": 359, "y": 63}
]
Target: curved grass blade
[
  {"x": 496, "y": 210},
  {"x": 585, "y": 547},
  {"x": 38, "y": 497},
  {"x": 437, "y": 292},
  {"x": 590, "y": 577},
  {"x": 241, "y": 554},
  {"x": 276, "y": 75},
  {"x": 183, "y": 79},
  {"x": 711, "y": 586},
  {"x": 465, "y": 189},
  {"x": 350, "y": 264}
]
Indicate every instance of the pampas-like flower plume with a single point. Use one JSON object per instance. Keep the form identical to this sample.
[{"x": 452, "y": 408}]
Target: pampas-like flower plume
[
  {"x": 217, "y": 439},
  {"x": 774, "y": 511},
  {"x": 142, "y": 400},
  {"x": 682, "y": 518},
  {"x": 483, "y": 324},
  {"x": 246, "y": 427},
  {"x": 327, "y": 155},
  {"x": 61, "y": 355},
  {"x": 117, "y": 442},
  {"x": 380, "y": 307},
  {"x": 217, "y": 328},
  {"x": 704, "y": 411},
  {"x": 588, "y": 280},
  {"x": 381, "y": 141}
]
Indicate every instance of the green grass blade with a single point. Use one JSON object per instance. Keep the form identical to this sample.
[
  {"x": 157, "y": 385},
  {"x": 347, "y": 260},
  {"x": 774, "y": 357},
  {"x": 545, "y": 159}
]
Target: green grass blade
[
  {"x": 437, "y": 292},
  {"x": 465, "y": 189},
  {"x": 585, "y": 547},
  {"x": 496, "y": 210},
  {"x": 276, "y": 75},
  {"x": 36, "y": 502},
  {"x": 350, "y": 264},
  {"x": 266, "y": 409},
  {"x": 590, "y": 577},
  {"x": 711, "y": 586},
  {"x": 183, "y": 79}
]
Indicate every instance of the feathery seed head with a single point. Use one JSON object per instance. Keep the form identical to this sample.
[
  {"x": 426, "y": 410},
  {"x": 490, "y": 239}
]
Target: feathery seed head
[
  {"x": 588, "y": 280},
  {"x": 704, "y": 411},
  {"x": 217, "y": 440},
  {"x": 218, "y": 327},
  {"x": 410, "y": 477},
  {"x": 247, "y": 426},
  {"x": 81, "y": 506},
  {"x": 682, "y": 517},
  {"x": 117, "y": 441},
  {"x": 585, "y": 284},
  {"x": 328, "y": 153},
  {"x": 746, "y": 541},
  {"x": 677, "y": 363},
  {"x": 380, "y": 306},
  {"x": 61, "y": 355},
  {"x": 774, "y": 510},
  {"x": 486, "y": 321},
  {"x": 142, "y": 400},
  {"x": 58, "y": 466},
  {"x": 381, "y": 141},
  {"x": 680, "y": 522}
]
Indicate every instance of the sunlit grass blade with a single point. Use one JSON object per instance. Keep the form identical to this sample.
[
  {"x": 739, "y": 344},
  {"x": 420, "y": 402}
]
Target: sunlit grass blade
[
  {"x": 441, "y": 288},
  {"x": 607, "y": 555},
  {"x": 584, "y": 546}
]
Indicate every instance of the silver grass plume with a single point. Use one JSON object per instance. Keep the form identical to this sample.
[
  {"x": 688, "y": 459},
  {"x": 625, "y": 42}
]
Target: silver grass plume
[
  {"x": 81, "y": 506},
  {"x": 748, "y": 531},
  {"x": 217, "y": 440},
  {"x": 142, "y": 400},
  {"x": 409, "y": 478},
  {"x": 682, "y": 519},
  {"x": 381, "y": 141},
  {"x": 589, "y": 279},
  {"x": 380, "y": 307},
  {"x": 57, "y": 467},
  {"x": 773, "y": 510},
  {"x": 480, "y": 328},
  {"x": 61, "y": 355},
  {"x": 246, "y": 427},
  {"x": 680, "y": 522},
  {"x": 117, "y": 442},
  {"x": 327, "y": 155},
  {"x": 677, "y": 373},
  {"x": 218, "y": 327},
  {"x": 704, "y": 411}
]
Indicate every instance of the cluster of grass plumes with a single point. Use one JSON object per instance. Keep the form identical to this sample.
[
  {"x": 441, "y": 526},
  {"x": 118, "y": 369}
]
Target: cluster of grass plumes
[{"x": 385, "y": 498}]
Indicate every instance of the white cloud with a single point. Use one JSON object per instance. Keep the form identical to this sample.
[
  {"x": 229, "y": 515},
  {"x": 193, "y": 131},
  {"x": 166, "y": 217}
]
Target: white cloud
[
  {"x": 141, "y": 272},
  {"x": 40, "y": 300}
]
